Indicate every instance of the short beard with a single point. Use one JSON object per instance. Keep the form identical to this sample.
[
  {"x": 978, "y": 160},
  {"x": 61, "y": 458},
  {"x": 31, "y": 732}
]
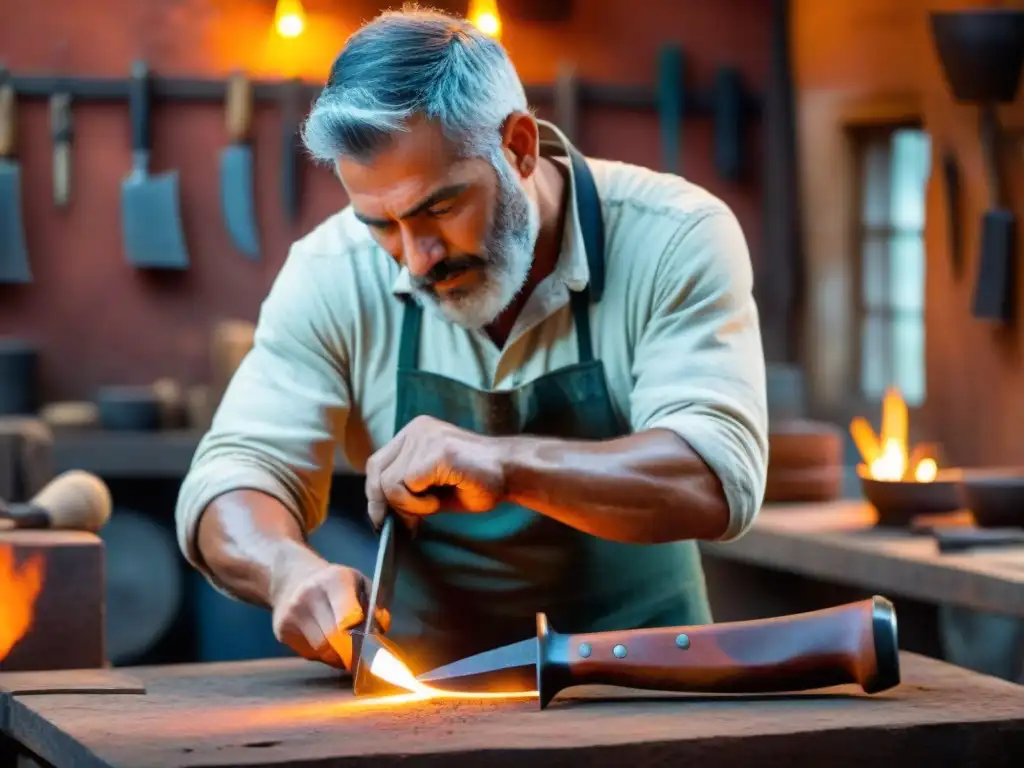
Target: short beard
[{"x": 506, "y": 260}]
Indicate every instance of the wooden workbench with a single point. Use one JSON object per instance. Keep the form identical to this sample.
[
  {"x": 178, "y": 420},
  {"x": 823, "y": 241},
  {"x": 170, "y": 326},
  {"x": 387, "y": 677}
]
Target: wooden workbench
[
  {"x": 297, "y": 713},
  {"x": 838, "y": 542}
]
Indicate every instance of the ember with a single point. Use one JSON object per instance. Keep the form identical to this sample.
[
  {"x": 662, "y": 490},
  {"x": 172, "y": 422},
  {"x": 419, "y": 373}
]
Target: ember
[
  {"x": 886, "y": 456},
  {"x": 19, "y": 588}
]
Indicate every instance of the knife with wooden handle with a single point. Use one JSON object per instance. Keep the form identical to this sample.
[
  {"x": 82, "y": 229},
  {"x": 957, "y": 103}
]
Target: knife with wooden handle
[
  {"x": 61, "y": 133},
  {"x": 854, "y": 643}
]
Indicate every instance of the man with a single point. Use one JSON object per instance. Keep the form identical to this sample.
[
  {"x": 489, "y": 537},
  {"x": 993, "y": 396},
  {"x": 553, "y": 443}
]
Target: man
[{"x": 552, "y": 364}]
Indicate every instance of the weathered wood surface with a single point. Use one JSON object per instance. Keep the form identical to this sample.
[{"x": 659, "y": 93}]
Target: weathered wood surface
[
  {"x": 298, "y": 713},
  {"x": 70, "y": 681},
  {"x": 837, "y": 542}
]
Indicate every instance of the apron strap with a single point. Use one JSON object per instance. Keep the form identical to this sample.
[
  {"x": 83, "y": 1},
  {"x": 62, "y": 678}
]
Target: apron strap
[
  {"x": 409, "y": 341},
  {"x": 588, "y": 208}
]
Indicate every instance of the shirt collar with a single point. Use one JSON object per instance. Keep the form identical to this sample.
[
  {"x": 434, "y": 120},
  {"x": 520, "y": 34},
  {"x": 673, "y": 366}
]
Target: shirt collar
[{"x": 571, "y": 268}]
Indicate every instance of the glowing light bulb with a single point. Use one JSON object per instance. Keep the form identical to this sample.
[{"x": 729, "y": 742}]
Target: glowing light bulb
[
  {"x": 483, "y": 14},
  {"x": 289, "y": 18}
]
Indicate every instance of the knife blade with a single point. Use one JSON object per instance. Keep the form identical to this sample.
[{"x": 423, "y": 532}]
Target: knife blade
[
  {"x": 378, "y": 604},
  {"x": 852, "y": 643}
]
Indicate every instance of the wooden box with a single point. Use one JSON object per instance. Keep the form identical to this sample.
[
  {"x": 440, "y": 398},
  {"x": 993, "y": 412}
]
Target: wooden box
[{"x": 64, "y": 570}]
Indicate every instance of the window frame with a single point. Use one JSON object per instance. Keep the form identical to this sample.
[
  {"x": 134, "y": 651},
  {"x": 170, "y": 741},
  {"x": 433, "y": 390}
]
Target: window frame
[{"x": 860, "y": 136}]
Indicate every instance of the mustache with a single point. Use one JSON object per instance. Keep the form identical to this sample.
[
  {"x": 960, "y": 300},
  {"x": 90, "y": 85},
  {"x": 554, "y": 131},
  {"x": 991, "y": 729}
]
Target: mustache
[{"x": 450, "y": 267}]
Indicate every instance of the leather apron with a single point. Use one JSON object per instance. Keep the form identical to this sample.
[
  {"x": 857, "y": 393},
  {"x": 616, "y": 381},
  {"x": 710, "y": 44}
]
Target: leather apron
[{"x": 470, "y": 582}]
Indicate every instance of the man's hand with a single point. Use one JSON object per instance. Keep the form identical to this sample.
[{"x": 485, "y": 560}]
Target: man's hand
[
  {"x": 430, "y": 464},
  {"x": 315, "y": 604}
]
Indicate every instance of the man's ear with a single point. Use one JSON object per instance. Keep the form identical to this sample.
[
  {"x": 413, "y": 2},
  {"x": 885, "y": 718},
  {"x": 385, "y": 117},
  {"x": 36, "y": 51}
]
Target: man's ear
[{"x": 521, "y": 141}]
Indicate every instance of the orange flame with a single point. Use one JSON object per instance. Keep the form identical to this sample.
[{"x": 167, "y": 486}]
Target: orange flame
[
  {"x": 19, "y": 588},
  {"x": 887, "y": 456},
  {"x": 391, "y": 669}
]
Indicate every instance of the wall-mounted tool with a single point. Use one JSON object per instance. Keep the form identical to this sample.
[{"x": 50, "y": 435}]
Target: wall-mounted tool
[
  {"x": 567, "y": 100},
  {"x": 727, "y": 106},
  {"x": 982, "y": 52},
  {"x": 291, "y": 118},
  {"x": 995, "y": 289},
  {"x": 951, "y": 181},
  {"x": 236, "y": 174},
  {"x": 61, "y": 133},
  {"x": 150, "y": 216},
  {"x": 670, "y": 98},
  {"x": 14, "y": 267}
]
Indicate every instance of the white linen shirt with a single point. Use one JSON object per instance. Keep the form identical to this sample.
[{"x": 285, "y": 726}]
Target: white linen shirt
[{"x": 676, "y": 328}]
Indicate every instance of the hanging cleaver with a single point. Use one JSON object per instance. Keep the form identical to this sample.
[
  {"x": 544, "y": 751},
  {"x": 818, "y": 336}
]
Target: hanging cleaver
[
  {"x": 150, "y": 217},
  {"x": 853, "y": 643},
  {"x": 14, "y": 267},
  {"x": 236, "y": 174}
]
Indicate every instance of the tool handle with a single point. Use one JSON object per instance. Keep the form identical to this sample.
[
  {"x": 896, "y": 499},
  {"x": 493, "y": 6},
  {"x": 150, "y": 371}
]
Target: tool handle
[
  {"x": 138, "y": 105},
  {"x": 61, "y": 131},
  {"x": 853, "y": 643},
  {"x": 8, "y": 118},
  {"x": 239, "y": 107}
]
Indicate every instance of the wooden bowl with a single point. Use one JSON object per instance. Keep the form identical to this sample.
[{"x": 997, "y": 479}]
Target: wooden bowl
[
  {"x": 899, "y": 502},
  {"x": 994, "y": 495}
]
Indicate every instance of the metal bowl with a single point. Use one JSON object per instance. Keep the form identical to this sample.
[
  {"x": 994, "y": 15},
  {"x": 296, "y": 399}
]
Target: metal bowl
[
  {"x": 994, "y": 495},
  {"x": 898, "y": 502}
]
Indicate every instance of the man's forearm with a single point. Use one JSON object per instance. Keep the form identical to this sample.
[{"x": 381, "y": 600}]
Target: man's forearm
[
  {"x": 245, "y": 538},
  {"x": 645, "y": 488}
]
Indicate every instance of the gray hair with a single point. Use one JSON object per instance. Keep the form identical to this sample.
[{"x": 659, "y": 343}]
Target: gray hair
[{"x": 410, "y": 63}]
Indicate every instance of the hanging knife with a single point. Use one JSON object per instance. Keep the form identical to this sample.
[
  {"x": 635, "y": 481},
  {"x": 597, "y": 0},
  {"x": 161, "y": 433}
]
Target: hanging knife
[
  {"x": 61, "y": 133},
  {"x": 671, "y": 105},
  {"x": 364, "y": 682},
  {"x": 853, "y": 643},
  {"x": 237, "y": 203},
  {"x": 291, "y": 93}
]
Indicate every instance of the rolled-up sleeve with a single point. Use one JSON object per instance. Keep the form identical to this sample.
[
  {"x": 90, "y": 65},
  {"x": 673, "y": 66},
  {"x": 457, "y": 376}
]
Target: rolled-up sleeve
[
  {"x": 698, "y": 366},
  {"x": 276, "y": 427}
]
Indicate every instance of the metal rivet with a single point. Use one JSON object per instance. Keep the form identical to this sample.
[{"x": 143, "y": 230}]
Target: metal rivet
[
  {"x": 683, "y": 641},
  {"x": 619, "y": 651},
  {"x": 584, "y": 650}
]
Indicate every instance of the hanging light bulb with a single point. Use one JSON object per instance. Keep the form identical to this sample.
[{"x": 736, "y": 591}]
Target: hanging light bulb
[
  {"x": 483, "y": 14},
  {"x": 289, "y": 18}
]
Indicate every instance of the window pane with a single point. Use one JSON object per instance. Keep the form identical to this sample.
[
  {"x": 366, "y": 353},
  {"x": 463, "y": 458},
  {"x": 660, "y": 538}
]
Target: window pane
[
  {"x": 909, "y": 360},
  {"x": 874, "y": 270},
  {"x": 911, "y": 157},
  {"x": 874, "y": 374},
  {"x": 875, "y": 183},
  {"x": 906, "y": 271}
]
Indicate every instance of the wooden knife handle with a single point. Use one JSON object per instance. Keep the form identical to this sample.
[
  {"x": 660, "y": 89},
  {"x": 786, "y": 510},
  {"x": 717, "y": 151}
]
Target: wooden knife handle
[
  {"x": 853, "y": 643},
  {"x": 239, "y": 107},
  {"x": 8, "y": 118}
]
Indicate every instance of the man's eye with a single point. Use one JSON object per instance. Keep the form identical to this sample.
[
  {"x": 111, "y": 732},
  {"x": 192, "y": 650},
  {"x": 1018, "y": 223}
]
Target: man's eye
[{"x": 438, "y": 212}]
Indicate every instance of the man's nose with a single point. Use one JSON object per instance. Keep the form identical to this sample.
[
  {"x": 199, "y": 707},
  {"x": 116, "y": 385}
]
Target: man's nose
[{"x": 421, "y": 252}]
